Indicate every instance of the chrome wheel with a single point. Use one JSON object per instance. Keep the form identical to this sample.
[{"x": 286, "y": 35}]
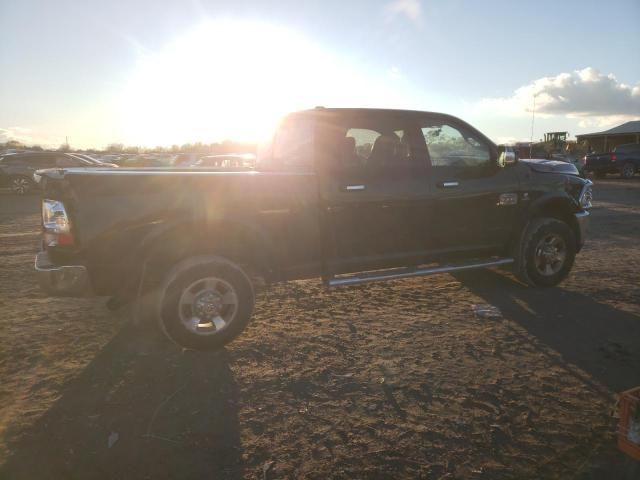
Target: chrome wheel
[
  {"x": 550, "y": 255},
  {"x": 20, "y": 185},
  {"x": 208, "y": 305},
  {"x": 627, "y": 171}
]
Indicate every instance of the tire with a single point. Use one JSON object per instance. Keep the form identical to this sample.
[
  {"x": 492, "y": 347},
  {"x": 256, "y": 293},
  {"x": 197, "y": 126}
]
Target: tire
[
  {"x": 627, "y": 170},
  {"x": 205, "y": 302},
  {"x": 600, "y": 174},
  {"x": 21, "y": 185},
  {"x": 547, "y": 252}
]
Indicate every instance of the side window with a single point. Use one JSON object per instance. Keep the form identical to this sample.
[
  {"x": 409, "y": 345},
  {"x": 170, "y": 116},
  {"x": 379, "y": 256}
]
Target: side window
[
  {"x": 293, "y": 145},
  {"x": 358, "y": 144},
  {"x": 449, "y": 146},
  {"x": 369, "y": 143},
  {"x": 42, "y": 161}
]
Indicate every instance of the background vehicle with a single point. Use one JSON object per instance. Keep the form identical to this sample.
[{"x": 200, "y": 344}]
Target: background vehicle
[
  {"x": 623, "y": 159},
  {"x": 349, "y": 195},
  {"x": 91, "y": 159},
  {"x": 146, "y": 161},
  {"x": 241, "y": 161},
  {"x": 17, "y": 171}
]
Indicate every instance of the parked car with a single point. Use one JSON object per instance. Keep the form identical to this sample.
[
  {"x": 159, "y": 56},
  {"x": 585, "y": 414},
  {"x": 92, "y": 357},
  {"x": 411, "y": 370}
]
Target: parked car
[
  {"x": 17, "y": 171},
  {"x": 147, "y": 161},
  {"x": 231, "y": 161},
  {"x": 91, "y": 159},
  {"x": 623, "y": 159},
  {"x": 348, "y": 195}
]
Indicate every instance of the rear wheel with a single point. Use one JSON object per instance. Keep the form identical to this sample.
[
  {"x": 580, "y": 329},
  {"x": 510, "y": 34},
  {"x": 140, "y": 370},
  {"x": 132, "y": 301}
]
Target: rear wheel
[
  {"x": 627, "y": 170},
  {"x": 205, "y": 303},
  {"x": 21, "y": 185},
  {"x": 547, "y": 252}
]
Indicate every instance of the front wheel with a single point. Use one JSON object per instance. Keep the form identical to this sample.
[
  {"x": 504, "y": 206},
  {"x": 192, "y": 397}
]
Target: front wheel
[
  {"x": 205, "y": 303},
  {"x": 547, "y": 252}
]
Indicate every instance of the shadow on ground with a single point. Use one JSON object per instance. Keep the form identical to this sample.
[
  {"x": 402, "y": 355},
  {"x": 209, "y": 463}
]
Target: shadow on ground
[
  {"x": 601, "y": 341},
  {"x": 138, "y": 410}
]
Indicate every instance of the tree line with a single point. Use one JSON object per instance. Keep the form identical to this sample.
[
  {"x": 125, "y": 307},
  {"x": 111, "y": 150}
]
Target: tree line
[{"x": 216, "y": 148}]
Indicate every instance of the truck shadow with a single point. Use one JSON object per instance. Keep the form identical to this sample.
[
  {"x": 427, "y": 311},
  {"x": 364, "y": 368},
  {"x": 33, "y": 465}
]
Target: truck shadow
[
  {"x": 603, "y": 342},
  {"x": 150, "y": 412}
]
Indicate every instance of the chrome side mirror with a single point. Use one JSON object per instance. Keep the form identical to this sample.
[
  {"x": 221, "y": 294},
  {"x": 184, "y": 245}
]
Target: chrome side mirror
[{"x": 506, "y": 158}]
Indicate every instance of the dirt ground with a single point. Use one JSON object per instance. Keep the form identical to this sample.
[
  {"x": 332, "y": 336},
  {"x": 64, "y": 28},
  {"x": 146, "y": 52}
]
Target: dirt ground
[{"x": 466, "y": 376}]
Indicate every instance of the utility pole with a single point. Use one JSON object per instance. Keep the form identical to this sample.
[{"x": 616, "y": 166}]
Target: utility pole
[{"x": 533, "y": 117}]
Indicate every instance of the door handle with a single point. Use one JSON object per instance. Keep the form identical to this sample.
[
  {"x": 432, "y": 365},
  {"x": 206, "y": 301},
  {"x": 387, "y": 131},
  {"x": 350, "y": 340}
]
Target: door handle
[
  {"x": 354, "y": 188},
  {"x": 451, "y": 184}
]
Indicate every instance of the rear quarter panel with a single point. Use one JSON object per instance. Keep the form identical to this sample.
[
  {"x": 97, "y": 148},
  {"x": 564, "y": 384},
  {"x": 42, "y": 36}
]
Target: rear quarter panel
[{"x": 118, "y": 214}]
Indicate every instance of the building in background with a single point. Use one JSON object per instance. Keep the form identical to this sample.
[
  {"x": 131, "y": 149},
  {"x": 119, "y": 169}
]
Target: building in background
[{"x": 605, "y": 141}]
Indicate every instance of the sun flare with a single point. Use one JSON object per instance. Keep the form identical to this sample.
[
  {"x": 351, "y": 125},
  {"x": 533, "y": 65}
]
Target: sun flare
[{"x": 229, "y": 79}]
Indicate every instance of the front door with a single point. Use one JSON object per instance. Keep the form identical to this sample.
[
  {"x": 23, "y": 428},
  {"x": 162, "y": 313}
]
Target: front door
[
  {"x": 373, "y": 188},
  {"x": 475, "y": 201}
]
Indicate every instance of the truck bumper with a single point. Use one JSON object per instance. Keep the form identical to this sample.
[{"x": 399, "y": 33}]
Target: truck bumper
[
  {"x": 582, "y": 220},
  {"x": 61, "y": 280}
]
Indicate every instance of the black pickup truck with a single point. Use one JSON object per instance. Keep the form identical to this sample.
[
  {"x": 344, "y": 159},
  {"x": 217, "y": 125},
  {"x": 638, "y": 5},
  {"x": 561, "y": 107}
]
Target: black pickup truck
[
  {"x": 348, "y": 195},
  {"x": 623, "y": 159}
]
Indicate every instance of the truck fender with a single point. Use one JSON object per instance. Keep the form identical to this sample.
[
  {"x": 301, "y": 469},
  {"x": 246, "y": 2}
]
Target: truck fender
[
  {"x": 263, "y": 254},
  {"x": 552, "y": 204}
]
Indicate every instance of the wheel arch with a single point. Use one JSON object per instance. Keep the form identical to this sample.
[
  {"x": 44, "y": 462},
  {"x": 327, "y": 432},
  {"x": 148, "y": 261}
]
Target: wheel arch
[
  {"x": 560, "y": 207},
  {"x": 239, "y": 241},
  {"x": 554, "y": 205}
]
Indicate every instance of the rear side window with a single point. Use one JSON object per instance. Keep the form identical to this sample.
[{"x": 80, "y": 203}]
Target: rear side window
[
  {"x": 292, "y": 148},
  {"x": 369, "y": 142}
]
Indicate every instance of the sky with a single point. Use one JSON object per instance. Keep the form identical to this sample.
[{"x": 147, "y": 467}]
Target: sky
[{"x": 162, "y": 72}]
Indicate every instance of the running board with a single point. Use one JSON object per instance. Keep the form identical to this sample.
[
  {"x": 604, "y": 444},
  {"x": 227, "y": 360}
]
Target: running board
[{"x": 396, "y": 273}]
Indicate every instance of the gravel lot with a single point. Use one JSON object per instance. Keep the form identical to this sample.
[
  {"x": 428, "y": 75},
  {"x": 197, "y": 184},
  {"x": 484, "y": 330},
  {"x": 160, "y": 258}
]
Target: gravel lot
[{"x": 466, "y": 376}]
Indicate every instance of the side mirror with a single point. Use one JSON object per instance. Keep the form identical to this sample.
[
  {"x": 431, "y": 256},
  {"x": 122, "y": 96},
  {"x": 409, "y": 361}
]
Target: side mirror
[{"x": 506, "y": 158}]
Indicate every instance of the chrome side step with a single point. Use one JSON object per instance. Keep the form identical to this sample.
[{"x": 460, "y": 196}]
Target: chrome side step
[{"x": 396, "y": 273}]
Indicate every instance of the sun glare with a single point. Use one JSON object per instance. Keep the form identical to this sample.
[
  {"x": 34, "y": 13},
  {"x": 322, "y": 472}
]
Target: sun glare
[{"x": 229, "y": 79}]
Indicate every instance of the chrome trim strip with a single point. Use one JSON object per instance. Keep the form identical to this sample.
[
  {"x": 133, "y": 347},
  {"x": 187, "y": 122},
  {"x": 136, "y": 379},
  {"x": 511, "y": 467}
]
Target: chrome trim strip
[{"x": 396, "y": 273}]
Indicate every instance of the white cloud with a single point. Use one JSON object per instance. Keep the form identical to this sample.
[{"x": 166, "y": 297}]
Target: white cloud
[
  {"x": 594, "y": 98},
  {"x": 411, "y": 9}
]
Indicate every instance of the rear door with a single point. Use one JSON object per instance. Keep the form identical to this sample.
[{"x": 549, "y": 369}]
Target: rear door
[
  {"x": 373, "y": 188},
  {"x": 475, "y": 200}
]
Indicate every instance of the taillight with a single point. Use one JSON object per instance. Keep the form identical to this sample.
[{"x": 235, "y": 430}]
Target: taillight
[
  {"x": 56, "y": 225},
  {"x": 614, "y": 157}
]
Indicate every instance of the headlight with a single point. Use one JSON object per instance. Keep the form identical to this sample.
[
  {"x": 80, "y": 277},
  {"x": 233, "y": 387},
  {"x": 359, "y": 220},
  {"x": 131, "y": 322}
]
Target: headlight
[{"x": 586, "y": 195}]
